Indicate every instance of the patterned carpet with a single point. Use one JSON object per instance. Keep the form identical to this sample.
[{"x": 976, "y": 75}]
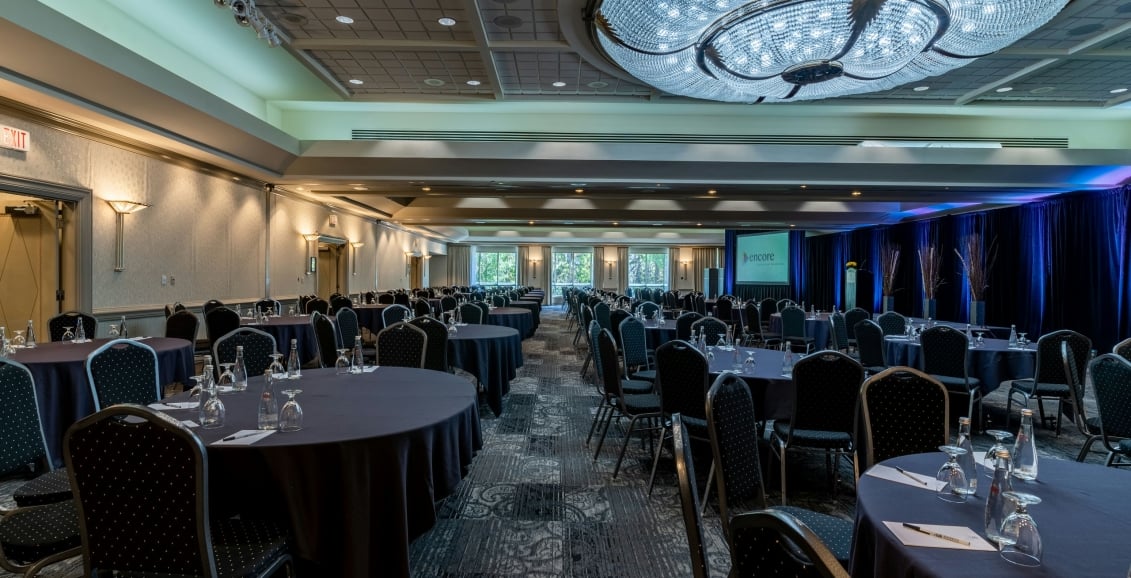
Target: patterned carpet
[{"x": 536, "y": 504}]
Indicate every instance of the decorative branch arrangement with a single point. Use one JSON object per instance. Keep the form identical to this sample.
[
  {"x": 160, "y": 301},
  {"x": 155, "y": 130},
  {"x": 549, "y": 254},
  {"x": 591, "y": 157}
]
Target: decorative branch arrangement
[
  {"x": 977, "y": 265},
  {"x": 930, "y": 263},
  {"x": 889, "y": 266}
]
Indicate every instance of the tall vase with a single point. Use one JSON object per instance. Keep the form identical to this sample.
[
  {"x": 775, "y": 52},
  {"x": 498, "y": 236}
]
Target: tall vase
[
  {"x": 929, "y": 308},
  {"x": 889, "y": 303},
  {"x": 978, "y": 313}
]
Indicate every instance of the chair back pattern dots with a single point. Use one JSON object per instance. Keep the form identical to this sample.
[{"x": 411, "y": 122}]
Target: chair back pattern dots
[
  {"x": 634, "y": 343},
  {"x": 724, "y": 310},
  {"x": 220, "y": 322},
  {"x": 436, "y": 354},
  {"x": 603, "y": 315},
  {"x": 840, "y": 331},
  {"x": 57, "y": 325},
  {"x": 648, "y": 308},
  {"x": 711, "y": 328},
  {"x": 210, "y": 305},
  {"x": 21, "y": 432},
  {"x": 421, "y": 307},
  {"x": 683, "y": 324},
  {"x": 386, "y": 299},
  {"x": 769, "y": 307},
  {"x": 1111, "y": 378},
  {"x": 401, "y": 345},
  {"x": 325, "y": 338},
  {"x": 257, "y": 345},
  {"x": 447, "y": 303},
  {"x": 689, "y": 498},
  {"x": 394, "y": 314},
  {"x": 792, "y": 323},
  {"x": 682, "y": 378},
  {"x": 123, "y": 371},
  {"x": 734, "y": 437},
  {"x": 892, "y": 323},
  {"x": 471, "y": 313},
  {"x": 852, "y": 317},
  {"x": 347, "y": 326},
  {"x": 826, "y": 386},
  {"x": 870, "y": 344},
  {"x": 182, "y": 325},
  {"x": 338, "y": 303},
  {"x": 318, "y": 304},
  {"x": 1123, "y": 349},
  {"x": 945, "y": 351},
  {"x": 1050, "y": 366},
  {"x": 774, "y": 543},
  {"x": 903, "y": 411}
]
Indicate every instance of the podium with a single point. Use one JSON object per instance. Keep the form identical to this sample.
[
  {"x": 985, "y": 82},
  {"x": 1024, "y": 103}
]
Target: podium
[{"x": 712, "y": 282}]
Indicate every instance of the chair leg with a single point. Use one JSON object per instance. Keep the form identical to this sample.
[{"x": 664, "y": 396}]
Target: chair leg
[
  {"x": 604, "y": 405},
  {"x": 707, "y": 490},
  {"x": 1087, "y": 448},
  {"x": 656, "y": 460},
  {"x": 585, "y": 366},
  {"x": 781, "y": 463},
  {"x": 624, "y": 446},
  {"x": 608, "y": 422}
]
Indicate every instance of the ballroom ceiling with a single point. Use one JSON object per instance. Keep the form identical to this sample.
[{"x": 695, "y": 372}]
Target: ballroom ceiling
[{"x": 510, "y": 120}]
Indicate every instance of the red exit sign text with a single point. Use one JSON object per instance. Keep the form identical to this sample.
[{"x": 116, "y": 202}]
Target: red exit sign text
[{"x": 14, "y": 138}]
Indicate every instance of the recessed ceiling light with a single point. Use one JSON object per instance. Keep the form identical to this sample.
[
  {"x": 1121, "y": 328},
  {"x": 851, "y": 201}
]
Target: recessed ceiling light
[
  {"x": 698, "y": 224},
  {"x": 921, "y": 88},
  {"x": 579, "y": 191},
  {"x": 792, "y": 226},
  {"x": 598, "y": 84},
  {"x": 360, "y": 188},
  {"x": 1118, "y": 90},
  {"x": 433, "y": 82},
  {"x": 616, "y": 224},
  {"x": 473, "y": 83},
  {"x": 300, "y": 188},
  {"x": 344, "y": 19},
  {"x": 856, "y": 193},
  {"x": 235, "y": 178},
  {"x": 530, "y": 222},
  {"x": 1004, "y": 89},
  {"x": 712, "y": 192},
  {"x": 445, "y": 21},
  {"x": 655, "y": 224},
  {"x": 805, "y": 186},
  {"x": 356, "y": 81},
  {"x": 559, "y": 84},
  {"x": 1043, "y": 90},
  {"x": 426, "y": 189}
]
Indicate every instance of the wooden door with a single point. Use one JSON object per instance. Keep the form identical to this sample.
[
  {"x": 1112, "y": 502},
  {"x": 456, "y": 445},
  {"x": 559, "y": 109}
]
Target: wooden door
[{"x": 29, "y": 263}]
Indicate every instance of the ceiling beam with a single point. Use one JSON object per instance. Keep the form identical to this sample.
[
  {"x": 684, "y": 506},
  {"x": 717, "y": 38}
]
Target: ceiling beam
[{"x": 484, "y": 45}]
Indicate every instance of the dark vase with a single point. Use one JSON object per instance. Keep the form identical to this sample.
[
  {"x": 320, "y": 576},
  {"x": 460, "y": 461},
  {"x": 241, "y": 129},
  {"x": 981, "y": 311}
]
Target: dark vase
[
  {"x": 889, "y": 303},
  {"x": 978, "y": 313},
  {"x": 929, "y": 308}
]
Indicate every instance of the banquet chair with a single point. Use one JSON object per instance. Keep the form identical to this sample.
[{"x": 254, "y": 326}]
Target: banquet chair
[
  {"x": 946, "y": 357},
  {"x": 724, "y": 310},
  {"x": 1111, "y": 379},
  {"x": 318, "y": 304},
  {"x": 123, "y": 371},
  {"x": 182, "y": 325},
  {"x": 436, "y": 354},
  {"x": 394, "y": 314},
  {"x": 220, "y": 322},
  {"x": 116, "y": 458},
  {"x": 498, "y": 301},
  {"x": 870, "y": 346},
  {"x": 1049, "y": 380},
  {"x": 587, "y": 321},
  {"x": 683, "y": 324},
  {"x": 682, "y": 378},
  {"x": 622, "y": 404},
  {"x": 370, "y": 297},
  {"x": 168, "y": 310},
  {"x": 689, "y": 498},
  {"x": 756, "y": 333},
  {"x": 901, "y": 411},
  {"x": 210, "y": 305},
  {"x": 615, "y": 317},
  {"x": 257, "y": 345},
  {"x": 793, "y": 328},
  {"x": 57, "y": 325},
  {"x": 671, "y": 300},
  {"x": 783, "y": 303},
  {"x": 302, "y": 301},
  {"x": 825, "y": 387},
  {"x": 700, "y": 304},
  {"x": 603, "y": 314},
  {"x": 602, "y": 382},
  {"x": 711, "y": 328},
  {"x": 402, "y": 298},
  {"x": 347, "y": 327},
  {"x": 733, "y": 431},
  {"x": 484, "y": 310},
  {"x": 267, "y": 304},
  {"x": 769, "y": 307},
  {"x": 421, "y": 307},
  {"x": 447, "y": 303},
  {"x": 338, "y": 303},
  {"x": 34, "y": 537},
  {"x": 25, "y": 446},
  {"x": 471, "y": 313},
  {"x": 401, "y": 345},
  {"x": 649, "y": 309},
  {"x": 1123, "y": 349},
  {"x": 892, "y": 323},
  {"x": 386, "y": 298},
  {"x": 634, "y": 350},
  {"x": 767, "y": 543},
  {"x": 851, "y": 318},
  {"x": 1089, "y": 427},
  {"x": 838, "y": 333},
  {"x": 326, "y": 337}
]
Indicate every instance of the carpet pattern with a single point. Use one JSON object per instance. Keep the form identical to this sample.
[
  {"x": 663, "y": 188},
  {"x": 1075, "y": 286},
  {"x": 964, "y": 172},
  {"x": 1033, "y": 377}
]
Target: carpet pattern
[{"x": 535, "y": 503}]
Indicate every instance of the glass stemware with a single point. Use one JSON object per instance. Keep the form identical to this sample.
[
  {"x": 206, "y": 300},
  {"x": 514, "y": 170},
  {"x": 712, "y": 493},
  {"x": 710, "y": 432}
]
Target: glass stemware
[
  {"x": 290, "y": 416},
  {"x": 1020, "y": 542},
  {"x": 955, "y": 487},
  {"x": 227, "y": 378},
  {"x": 277, "y": 364},
  {"x": 198, "y": 380},
  {"x": 342, "y": 364},
  {"x": 68, "y": 334},
  {"x": 18, "y": 340},
  {"x": 1000, "y": 437},
  {"x": 113, "y": 331},
  {"x": 1022, "y": 341},
  {"x": 748, "y": 364},
  {"x": 980, "y": 341}
]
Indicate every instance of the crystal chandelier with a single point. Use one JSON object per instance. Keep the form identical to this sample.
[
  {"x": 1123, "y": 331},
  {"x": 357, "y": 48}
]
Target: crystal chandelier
[{"x": 783, "y": 50}]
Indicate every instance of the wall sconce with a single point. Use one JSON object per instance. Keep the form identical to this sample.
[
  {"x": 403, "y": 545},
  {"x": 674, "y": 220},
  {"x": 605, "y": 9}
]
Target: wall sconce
[
  {"x": 311, "y": 252},
  {"x": 353, "y": 262},
  {"x": 121, "y": 209},
  {"x": 534, "y": 268},
  {"x": 684, "y": 263},
  {"x": 609, "y": 264}
]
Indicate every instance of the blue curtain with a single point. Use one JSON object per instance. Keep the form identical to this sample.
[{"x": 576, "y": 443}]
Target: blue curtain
[
  {"x": 730, "y": 247},
  {"x": 797, "y": 265}
]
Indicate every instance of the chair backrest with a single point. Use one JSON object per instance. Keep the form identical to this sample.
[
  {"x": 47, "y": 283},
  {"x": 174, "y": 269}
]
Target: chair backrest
[
  {"x": 421, "y": 307},
  {"x": 447, "y": 303},
  {"x": 484, "y": 310},
  {"x": 401, "y": 298},
  {"x": 57, "y": 325},
  {"x": 268, "y": 304},
  {"x": 1050, "y": 367},
  {"x": 498, "y": 301},
  {"x": 682, "y": 378},
  {"x": 1123, "y": 349},
  {"x": 615, "y": 317},
  {"x": 769, "y": 307},
  {"x": 724, "y": 310},
  {"x": 210, "y": 305},
  {"x": 902, "y": 411},
  {"x": 347, "y": 326},
  {"x": 870, "y": 343},
  {"x": 318, "y": 304},
  {"x": 182, "y": 325},
  {"x": 395, "y": 313},
  {"x": 401, "y": 345},
  {"x": 117, "y": 459},
  {"x": 783, "y": 303},
  {"x": 257, "y": 345},
  {"x": 326, "y": 338},
  {"x": 168, "y": 311},
  {"x": 774, "y": 543},
  {"x": 634, "y": 343},
  {"x": 648, "y": 308},
  {"x": 1111, "y": 380},
  {"x": 852, "y": 317},
  {"x": 792, "y": 322},
  {"x": 21, "y": 431},
  {"x": 945, "y": 351},
  {"x": 123, "y": 371},
  {"x": 689, "y": 498},
  {"x": 826, "y": 386},
  {"x": 603, "y": 315},
  {"x": 436, "y": 355},
  {"x": 753, "y": 318},
  {"x": 733, "y": 429},
  {"x": 1078, "y": 411},
  {"x": 470, "y": 313},
  {"x": 219, "y": 322},
  {"x": 711, "y": 328},
  {"x": 605, "y": 361},
  {"x": 892, "y": 323},
  {"x": 671, "y": 300},
  {"x": 839, "y": 333},
  {"x": 386, "y": 299},
  {"x": 683, "y": 324},
  {"x": 338, "y": 303},
  {"x": 700, "y": 304}
]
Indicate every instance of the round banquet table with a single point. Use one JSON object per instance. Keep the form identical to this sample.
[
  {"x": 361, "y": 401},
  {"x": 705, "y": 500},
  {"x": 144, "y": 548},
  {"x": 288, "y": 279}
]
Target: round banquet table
[
  {"x": 284, "y": 329},
  {"x": 992, "y": 363},
  {"x": 513, "y": 317},
  {"x": 772, "y": 392},
  {"x": 535, "y": 308},
  {"x": 362, "y": 478},
  {"x": 657, "y": 333},
  {"x": 1084, "y": 520},
  {"x": 816, "y": 327},
  {"x": 61, "y": 384},
  {"x": 491, "y": 353},
  {"x": 369, "y": 316}
]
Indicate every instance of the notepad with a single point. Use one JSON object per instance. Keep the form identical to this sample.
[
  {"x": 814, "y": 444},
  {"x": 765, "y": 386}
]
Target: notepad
[
  {"x": 909, "y": 537},
  {"x": 370, "y": 368},
  {"x": 913, "y": 479},
  {"x": 174, "y": 405},
  {"x": 244, "y": 437}
]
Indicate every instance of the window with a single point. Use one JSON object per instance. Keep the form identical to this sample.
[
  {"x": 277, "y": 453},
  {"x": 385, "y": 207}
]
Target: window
[
  {"x": 647, "y": 268},
  {"x": 572, "y": 269},
  {"x": 495, "y": 266}
]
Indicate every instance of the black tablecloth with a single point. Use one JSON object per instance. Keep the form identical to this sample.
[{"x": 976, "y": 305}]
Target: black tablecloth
[
  {"x": 772, "y": 392},
  {"x": 513, "y": 317},
  {"x": 535, "y": 308},
  {"x": 59, "y": 370},
  {"x": 492, "y": 354},
  {"x": 361, "y": 480},
  {"x": 284, "y": 329},
  {"x": 1084, "y": 520},
  {"x": 818, "y": 328},
  {"x": 369, "y": 316},
  {"x": 657, "y": 333},
  {"x": 992, "y": 363}
]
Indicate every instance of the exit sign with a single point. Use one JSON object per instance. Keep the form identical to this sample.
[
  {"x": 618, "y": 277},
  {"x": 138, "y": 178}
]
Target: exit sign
[{"x": 14, "y": 138}]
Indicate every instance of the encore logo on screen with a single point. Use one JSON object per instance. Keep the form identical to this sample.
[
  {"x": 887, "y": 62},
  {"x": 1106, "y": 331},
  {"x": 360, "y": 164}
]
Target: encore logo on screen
[{"x": 757, "y": 257}]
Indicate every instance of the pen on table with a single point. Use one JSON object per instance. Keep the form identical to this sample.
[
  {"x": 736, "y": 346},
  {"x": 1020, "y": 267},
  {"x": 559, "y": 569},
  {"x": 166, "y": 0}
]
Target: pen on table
[
  {"x": 910, "y": 475},
  {"x": 936, "y": 534},
  {"x": 241, "y": 436}
]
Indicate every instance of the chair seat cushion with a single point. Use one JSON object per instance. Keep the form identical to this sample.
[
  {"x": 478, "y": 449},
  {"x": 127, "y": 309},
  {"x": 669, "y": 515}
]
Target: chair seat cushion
[
  {"x": 54, "y": 486},
  {"x": 644, "y": 403},
  {"x": 811, "y": 437},
  {"x": 246, "y": 547},
  {"x": 1124, "y": 446},
  {"x": 634, "y": 387},
  {"x": 1039, "y": 390},
  {"x": 34, "y": 533},
  {"x": 835, "y": 532},
  {"x": 644, "y": 375},
  {"x": 958, "y": 383}
]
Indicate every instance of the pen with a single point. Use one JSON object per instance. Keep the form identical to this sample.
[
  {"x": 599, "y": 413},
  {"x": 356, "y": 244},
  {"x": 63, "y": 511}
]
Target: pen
[
  {"x": 910, "y": 475},
  {"x": 241, "y": 436},
  {"x": 936, "y": 534}
]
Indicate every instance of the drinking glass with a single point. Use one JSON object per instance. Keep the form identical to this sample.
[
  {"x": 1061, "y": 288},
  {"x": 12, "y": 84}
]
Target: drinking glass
[
  {"x": 290, "y": 416},
  {"x": 1022, "y": 340},
  {"x": 18, "y": 340},
  {"x": 68, "y": 334},
  {"x": 342, "y": 364},
  {"x": 980, "y": 341},
  {"x": 277, "y": 364},
  {"x": 226, "y": 378},
  {"x": 291, "y": 311},
  {"x": 198, "y": 380},
  {"x": 955, "y": 487},
  {"x": 113, "y": 331},
  {"x": 748, "y": 364},
  {"x": 990, "y": 460},
  {"x": 1020, "y": 542}
]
